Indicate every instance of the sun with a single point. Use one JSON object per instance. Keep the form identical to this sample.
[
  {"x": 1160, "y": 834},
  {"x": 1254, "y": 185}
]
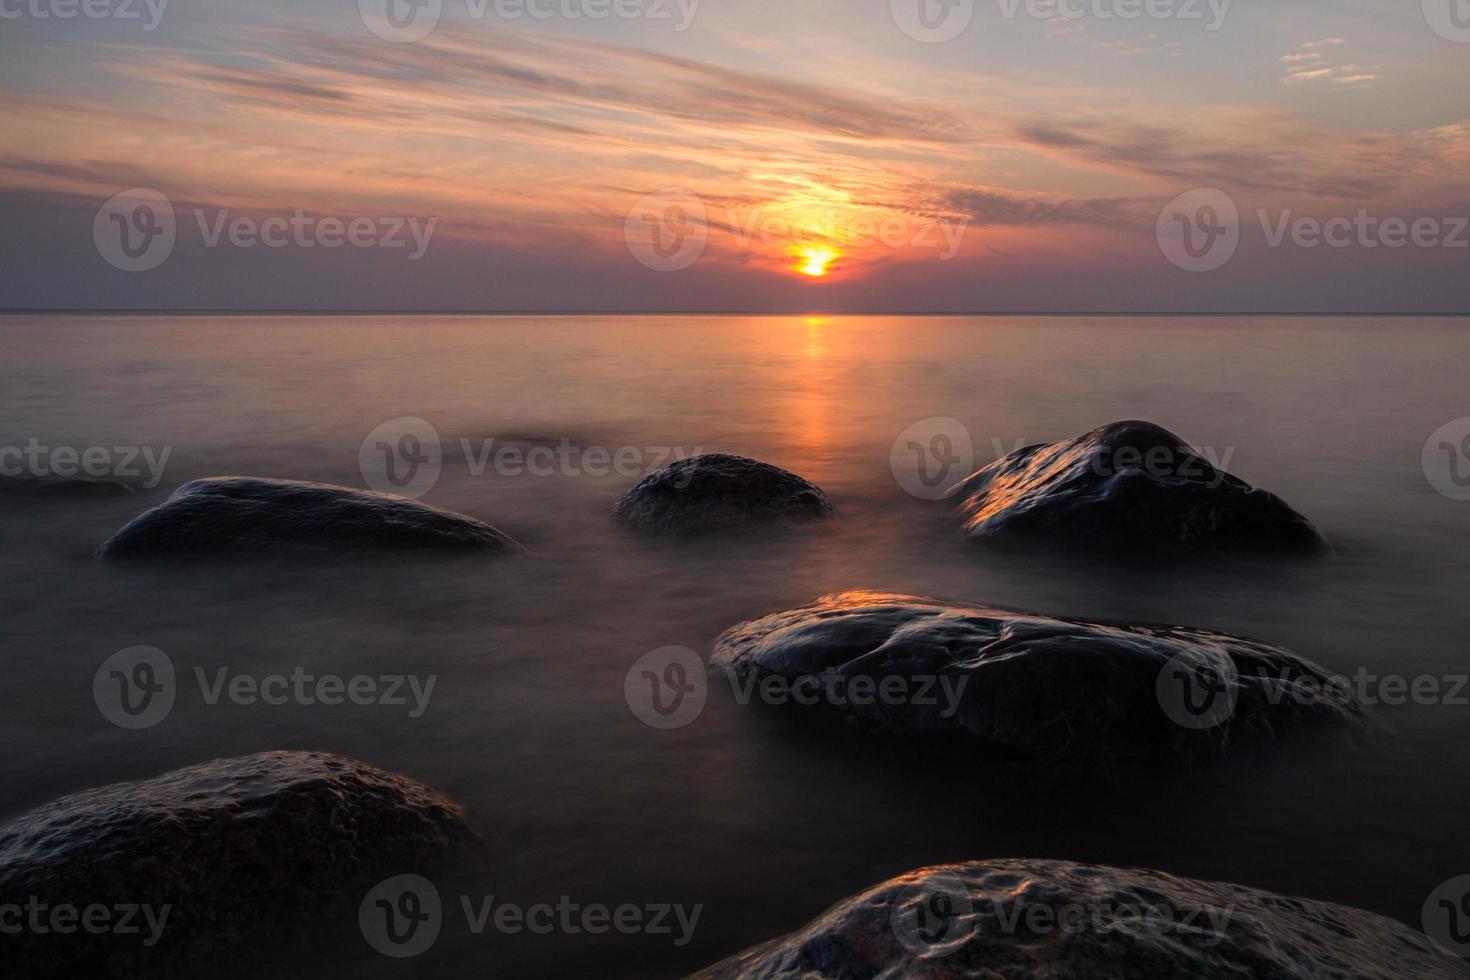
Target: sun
[{"x": 815, "y": 259}]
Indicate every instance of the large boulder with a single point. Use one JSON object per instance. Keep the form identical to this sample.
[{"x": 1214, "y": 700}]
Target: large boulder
[
  {"x": 1125, "y": 487},
  {"x": 1051, "y": 690},
  {"x": 247, "y": 849},
  {"x": 249, "y": 516},
  {"x": 718, "y": 492},
  {"x": 1054, "y": 920}
]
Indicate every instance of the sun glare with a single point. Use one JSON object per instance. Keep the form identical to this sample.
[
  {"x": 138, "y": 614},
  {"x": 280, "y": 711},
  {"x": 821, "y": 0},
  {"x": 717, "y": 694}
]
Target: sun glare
[{"x": 814, "y": 261}]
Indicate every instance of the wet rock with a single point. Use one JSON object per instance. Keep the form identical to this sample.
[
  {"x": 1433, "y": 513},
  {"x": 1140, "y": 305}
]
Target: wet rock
[
  {"x": 719, "y": 492},
  {"x": 1054, "y": 920},
  {"x": 247, "y": 850},
  {"x": 1062, "y": 692},
  {"x": 1126, "y": 486},
  {"x": 247, "y": 516}
]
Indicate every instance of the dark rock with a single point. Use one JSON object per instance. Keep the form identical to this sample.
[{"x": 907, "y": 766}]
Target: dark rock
[
  {"x": 240, "y": 850},
  {"x": 243, "y": 515},
  {"x": 1044, "y": 689},
  {"x": 1126, "y": 486},
  {"x": 719, "y": 492},
  {"x": 1054, "y": 920}
]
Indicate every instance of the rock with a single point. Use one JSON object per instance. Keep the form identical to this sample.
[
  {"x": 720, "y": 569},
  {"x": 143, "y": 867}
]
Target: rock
[
  {"x": 240, "y": 850},
  {"x": 1054, "y": 920},
  {"x": 719, "y": 492},
  {"x": 1043, "y": 689},
  {"x": 247, "y": 516},
  {"x": 1124, "y": 487}
]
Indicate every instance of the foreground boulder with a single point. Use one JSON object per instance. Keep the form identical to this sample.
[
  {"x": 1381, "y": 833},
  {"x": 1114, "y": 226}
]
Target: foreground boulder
[
  {"x": 719, "y": 492},
  {"x": 243, "y": 515},
  {"x": 1053, "y": 690},
  {"x": 235, "y": 849},
  {"x": 1054, "y": 920},
  {"x": 1125, "y": 486}
]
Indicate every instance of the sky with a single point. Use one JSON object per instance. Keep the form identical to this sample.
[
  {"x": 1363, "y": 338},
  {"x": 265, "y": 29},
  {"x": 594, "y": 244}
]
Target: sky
[{"x": 736, "y": 155}]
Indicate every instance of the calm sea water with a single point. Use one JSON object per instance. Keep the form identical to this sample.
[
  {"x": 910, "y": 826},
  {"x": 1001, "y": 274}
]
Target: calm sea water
[{"x": 764, "y": 820}]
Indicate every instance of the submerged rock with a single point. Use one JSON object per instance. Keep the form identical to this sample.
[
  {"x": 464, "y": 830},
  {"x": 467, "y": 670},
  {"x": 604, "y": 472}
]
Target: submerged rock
[
  {"x": 719, "y": 492},
  {"x": 244, "y": 515},
  {"x": 1054, "y": 920},
  {"x": 1129, "y": 485},
  {"x": 247, "y": 849},
  {"x": 1046, "y": 689}
]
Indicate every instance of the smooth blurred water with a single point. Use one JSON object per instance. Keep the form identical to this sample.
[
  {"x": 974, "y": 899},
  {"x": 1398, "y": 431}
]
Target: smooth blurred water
[{"x": 763, "y": 819}]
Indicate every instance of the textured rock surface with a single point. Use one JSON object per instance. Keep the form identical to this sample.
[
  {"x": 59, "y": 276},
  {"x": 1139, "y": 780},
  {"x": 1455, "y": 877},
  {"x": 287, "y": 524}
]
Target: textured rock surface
[
  {"x": 1050, "y": 689},
  {"x": 1129, "y": 485},
  {"x": 1054, "y": 920},
  {"x": 242, "y": 849},
  {"x": 719, "y": 492},
  {"x": 243, "y": 515}
]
